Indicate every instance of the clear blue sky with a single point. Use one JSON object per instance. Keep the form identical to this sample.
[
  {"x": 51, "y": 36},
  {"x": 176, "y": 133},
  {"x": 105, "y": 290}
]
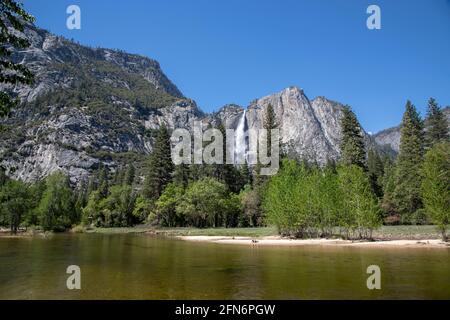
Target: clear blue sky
[{"x": 233, "y": 51}]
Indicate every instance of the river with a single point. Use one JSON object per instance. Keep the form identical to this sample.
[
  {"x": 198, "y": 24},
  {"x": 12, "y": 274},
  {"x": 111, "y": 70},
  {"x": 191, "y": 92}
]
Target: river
[{"x": 128, "y": 266}]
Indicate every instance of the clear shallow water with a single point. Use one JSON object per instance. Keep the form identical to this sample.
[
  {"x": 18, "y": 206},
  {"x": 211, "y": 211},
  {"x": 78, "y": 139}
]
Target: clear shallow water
[{"x": 144, "y": 267}]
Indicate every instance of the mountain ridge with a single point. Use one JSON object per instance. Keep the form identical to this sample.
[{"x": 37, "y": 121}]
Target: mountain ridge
[
  {"x": 100, "y": 107},
  {"x": 390, "y": 137}
]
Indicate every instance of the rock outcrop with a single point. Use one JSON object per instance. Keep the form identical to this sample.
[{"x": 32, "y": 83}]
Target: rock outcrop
[
  {"x": 91, "y": 106},
  {"x": 391, "y": 137}
]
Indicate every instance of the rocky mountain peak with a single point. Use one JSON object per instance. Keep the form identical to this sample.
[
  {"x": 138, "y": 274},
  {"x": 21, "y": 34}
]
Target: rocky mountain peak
[{"x": 93, "y": 106}]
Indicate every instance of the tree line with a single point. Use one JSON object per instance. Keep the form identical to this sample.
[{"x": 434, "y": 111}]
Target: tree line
[
  {"x": 350, "y": 198},
  {"x": 354, "y": 196}
]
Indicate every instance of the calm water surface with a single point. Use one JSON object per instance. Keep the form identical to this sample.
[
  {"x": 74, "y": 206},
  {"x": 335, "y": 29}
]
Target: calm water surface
[{"x": 145, "y": 267}]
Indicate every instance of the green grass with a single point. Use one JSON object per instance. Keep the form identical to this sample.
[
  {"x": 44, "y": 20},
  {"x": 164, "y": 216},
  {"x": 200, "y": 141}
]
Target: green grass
[
  {"x": 407, "y": 232},
  {"x": 137, "y": 229},
  {"x": 384, "y": 233},
  {"x": 242, "y": 232}
]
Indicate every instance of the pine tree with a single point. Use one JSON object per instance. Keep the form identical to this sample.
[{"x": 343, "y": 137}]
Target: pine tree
[
  {"x": 129, "y": 175},
  {"x": 407, "y": 179},
  {"x": 352, "y": 141},
  {"x": 12, "y": 15},
  {"x": 437, "y": 125},
  {"x": 103, "y": 182},
  {"x": 270, "y": 123},
  {"x": 375, "y": 170},
  {"x": 81, "y": 198},
  {"x": 228, "y": 173},
  {"x": 245, "y": 176},
  {"x": 182, "y": 174},
  {"x": 388, "y": 183},
  {"x": 160, "y": 166},
  {"x": 3, "y": 177},
  {"x": 119, "y": 176},
  {"x": 92, "y": 184}
]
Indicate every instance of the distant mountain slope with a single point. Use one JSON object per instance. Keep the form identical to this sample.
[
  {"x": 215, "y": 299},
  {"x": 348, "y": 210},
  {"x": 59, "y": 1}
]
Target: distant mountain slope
[
  {"x": 91, "y": 107},
  {"x": 51, "y": 58},
  {"x": 391, "y": 137},
  {"x": 87, "y": 106},
  {"x": 309, "y": 129}
]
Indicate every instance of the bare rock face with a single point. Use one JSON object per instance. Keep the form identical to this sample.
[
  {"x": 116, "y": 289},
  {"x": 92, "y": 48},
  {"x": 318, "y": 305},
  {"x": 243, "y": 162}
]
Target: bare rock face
[
  {"x": 391, "y": 137},
  {"x": 47, "y": 51},
  {"x": 91, "y": 107},
  {"x": 309, "y": 129},
  {"x": 301, "y": 130},
  {"x": 86, "y": 108}
]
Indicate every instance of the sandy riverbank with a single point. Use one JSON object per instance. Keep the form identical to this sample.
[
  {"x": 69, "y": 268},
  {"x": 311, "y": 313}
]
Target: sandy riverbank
[{"x": 279, "y": 241}]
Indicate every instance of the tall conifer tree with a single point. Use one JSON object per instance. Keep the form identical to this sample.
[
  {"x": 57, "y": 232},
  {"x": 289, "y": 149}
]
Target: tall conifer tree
[
  {"x": 437, "y": 125},
  {"x": 160, "y": 166},
  {"x": 407, "y": 180},
  {"x": 12, "y": 16},
  {"x": 352, "y": 142}
]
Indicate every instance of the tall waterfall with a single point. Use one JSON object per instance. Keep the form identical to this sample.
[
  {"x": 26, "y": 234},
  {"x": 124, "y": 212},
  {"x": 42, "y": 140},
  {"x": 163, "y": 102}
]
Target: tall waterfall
[{"x": 240, "y": 150}]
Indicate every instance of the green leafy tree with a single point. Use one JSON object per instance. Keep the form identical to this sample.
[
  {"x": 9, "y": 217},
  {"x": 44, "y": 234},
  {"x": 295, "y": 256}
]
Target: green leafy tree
[
  {"x": 92, "y": 212},
  {"x": 352, "y": 141},
  {"x": 326, "y": 196},
  {"x": 143, "y": 209},
  {"x": 251, "y": 205},
  {"x": 436, "y": 186},
  {"x": 203, "y": 203},
  {"x": 437, "y": 124},
  {"x": 117, "y": 208},
  {"x": 160, "y": 166},
  {"x": 12, "y": 17},
  {"x": 165, "y": 206},
  {"x": 285, "y": 200},
  {"x": 232, "y": 210},
  {"x": 14, "y": 204},
  {"x": 56, "y": 208},
  {"x": 407, "y": 181},
  {"x": 361, "y": 214}
]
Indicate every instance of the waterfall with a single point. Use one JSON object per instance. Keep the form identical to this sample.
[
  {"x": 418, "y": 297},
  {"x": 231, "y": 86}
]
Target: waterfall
[{"x": 240, "y": 150}]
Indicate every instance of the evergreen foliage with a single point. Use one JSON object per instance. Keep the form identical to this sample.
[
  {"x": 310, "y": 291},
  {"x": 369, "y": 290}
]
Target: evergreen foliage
[
  {"x": 437, "y": 130},
  {"x": 12, "y": 15},
  {"x": 160, "y": 166},
  {"x": 352, "y": 142},
  {"x": 406, "y": 195}
]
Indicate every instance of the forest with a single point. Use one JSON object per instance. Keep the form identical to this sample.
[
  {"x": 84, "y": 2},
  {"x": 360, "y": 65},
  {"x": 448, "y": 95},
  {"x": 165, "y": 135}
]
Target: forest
[{"x": 349, "y": 198}]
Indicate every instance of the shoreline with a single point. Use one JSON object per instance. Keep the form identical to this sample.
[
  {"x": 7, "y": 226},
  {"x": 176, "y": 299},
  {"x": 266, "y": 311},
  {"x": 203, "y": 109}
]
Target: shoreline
[
  {"x": 280, "y": 241},
  {"x": 386, "y": 237}
]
